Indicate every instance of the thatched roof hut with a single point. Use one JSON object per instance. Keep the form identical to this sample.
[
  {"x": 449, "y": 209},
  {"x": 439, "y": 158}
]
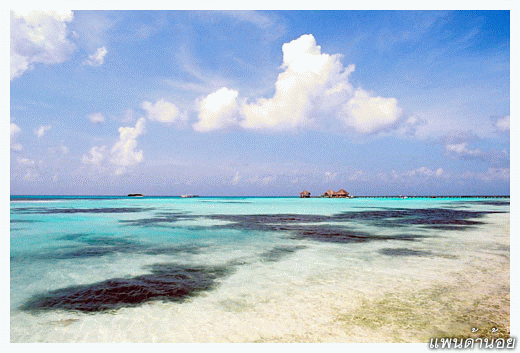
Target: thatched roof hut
[
  {"x": 305, "y": 193},
  {"x": 341, "y": 193},
  {"x": 329, "y": 193}
]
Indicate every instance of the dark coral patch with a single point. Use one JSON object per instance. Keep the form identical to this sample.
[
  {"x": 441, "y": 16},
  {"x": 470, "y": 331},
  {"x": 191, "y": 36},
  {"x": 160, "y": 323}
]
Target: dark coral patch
[
  {"x": 174, "y": 249},
  {"x": 388, "y": 218},
  {"x": 257, "y": 220},
  {"x": 167, "y": 282},
  {"x": 74, "y": 236},
  {"x": 298, "y": 227},
  {"x": 279, "y": 252},
  {"x": 404, "y": 252},
  {"x": 24, "y": 221},
  {"x": 101, "y": 246},
  {"x": 269, "y": 222},
  {"x": 490, "y": 202},
  {"x": 344, "y": 235},
  {"x": 158, "y": 220},
  {"x": 331, "y": 234},
  {"x": 430, "y": 217}
]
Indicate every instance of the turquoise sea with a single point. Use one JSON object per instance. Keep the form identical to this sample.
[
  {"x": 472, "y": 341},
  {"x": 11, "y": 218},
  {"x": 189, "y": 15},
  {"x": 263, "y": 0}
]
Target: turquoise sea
[{"x": 254, "y": 269}]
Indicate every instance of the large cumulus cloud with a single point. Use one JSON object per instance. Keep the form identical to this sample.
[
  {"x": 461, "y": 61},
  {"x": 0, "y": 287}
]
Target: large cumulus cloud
[{"x": 312, "y": 92}]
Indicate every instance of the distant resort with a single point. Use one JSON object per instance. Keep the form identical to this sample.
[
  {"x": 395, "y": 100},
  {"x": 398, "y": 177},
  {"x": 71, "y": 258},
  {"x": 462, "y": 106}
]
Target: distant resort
[
  {"x": 341, "y": 193},
  {"x": 330, "y": 193}
]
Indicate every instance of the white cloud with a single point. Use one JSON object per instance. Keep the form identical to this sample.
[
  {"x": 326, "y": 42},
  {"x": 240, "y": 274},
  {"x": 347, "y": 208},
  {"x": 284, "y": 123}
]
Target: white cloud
[
  {"x": 14, "y": 131},
  {"x": 425, "y": 172},
  {"x": 462, "y": 150},
  {"x": 310, "y": 79},
  {"x": 217, "y": 110},
  {"x": 96, "y": 59},
  {"x": 313, "y": 89},
  {"x": 95, "y": 155},
  {"x": 236, "y": 178},
  {"x": 161, "y": 111},
  {"x": 41, "y": 130},
  {"x": 368, "y": 114},
  {"x": 96, "y": 118},
  {"x": 502, "y": 123},
  {"x": 421, "y": 172},
  {"x": 124, "y": 153},
  {"x": 39, "y": 37},
  {"x": 26, "y": 161}
]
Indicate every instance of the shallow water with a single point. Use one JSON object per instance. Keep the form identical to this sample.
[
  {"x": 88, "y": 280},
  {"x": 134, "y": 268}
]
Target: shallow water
[{"x": 257, "y": 269}]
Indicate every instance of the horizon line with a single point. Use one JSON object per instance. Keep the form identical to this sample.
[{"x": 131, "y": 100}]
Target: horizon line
[{"x": 294, "y": 196}]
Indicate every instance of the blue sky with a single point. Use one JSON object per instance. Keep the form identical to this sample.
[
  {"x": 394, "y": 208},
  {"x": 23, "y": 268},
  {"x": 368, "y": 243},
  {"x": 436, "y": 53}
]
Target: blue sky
[{"x": 260, "y": 102}]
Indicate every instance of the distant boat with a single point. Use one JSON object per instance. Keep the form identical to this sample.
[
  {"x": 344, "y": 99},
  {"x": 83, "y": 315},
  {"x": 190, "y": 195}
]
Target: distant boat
[
  {"x": 189, "y": 195},
  {"x": 135, "y": 195}
]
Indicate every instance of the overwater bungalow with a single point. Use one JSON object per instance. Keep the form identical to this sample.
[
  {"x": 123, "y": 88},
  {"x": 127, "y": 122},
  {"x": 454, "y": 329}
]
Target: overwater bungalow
[
  {"x": 305, "y": 194},
  {"x": 329, "y": 193},
  {"x": 339, "y": 193}
]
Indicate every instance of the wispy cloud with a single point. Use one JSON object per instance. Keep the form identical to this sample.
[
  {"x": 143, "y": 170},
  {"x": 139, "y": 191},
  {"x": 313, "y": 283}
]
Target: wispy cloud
[
  {"x": 457, "y": 145},
  {"x": 271, "y": 25},
  {"x": 98, "y": 58},
  {"x": 124, "y": 152},
  {"x": 94, "y": 156},
  {"x": 14, "y": 131},
  {"x": 417, "y": 173},
  {"x": 96, "y": 118},
  {"x": 198, "y": 80},
  {"x": 415, "y": 25},
  {"x": 41, "y": 130},
  {"x": 501, "y": 124}
]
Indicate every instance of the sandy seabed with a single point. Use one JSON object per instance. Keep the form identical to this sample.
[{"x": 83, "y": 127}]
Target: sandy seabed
[{"x": 379, "y": 299}]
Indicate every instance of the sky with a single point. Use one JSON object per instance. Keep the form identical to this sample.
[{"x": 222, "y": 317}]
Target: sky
[{"x": 260, "y": 103}]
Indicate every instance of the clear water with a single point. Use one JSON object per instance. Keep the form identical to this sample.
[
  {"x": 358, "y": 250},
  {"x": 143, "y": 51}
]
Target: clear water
[{"x": 257, "y": 269}]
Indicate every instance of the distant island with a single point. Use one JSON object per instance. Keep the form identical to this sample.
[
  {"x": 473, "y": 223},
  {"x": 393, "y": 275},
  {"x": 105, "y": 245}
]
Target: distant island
[{"x": 135, "y": 195}]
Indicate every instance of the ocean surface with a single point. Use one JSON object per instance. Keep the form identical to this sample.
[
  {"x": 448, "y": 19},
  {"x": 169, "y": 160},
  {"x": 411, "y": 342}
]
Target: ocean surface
[{"x": 216, "y": 269}]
